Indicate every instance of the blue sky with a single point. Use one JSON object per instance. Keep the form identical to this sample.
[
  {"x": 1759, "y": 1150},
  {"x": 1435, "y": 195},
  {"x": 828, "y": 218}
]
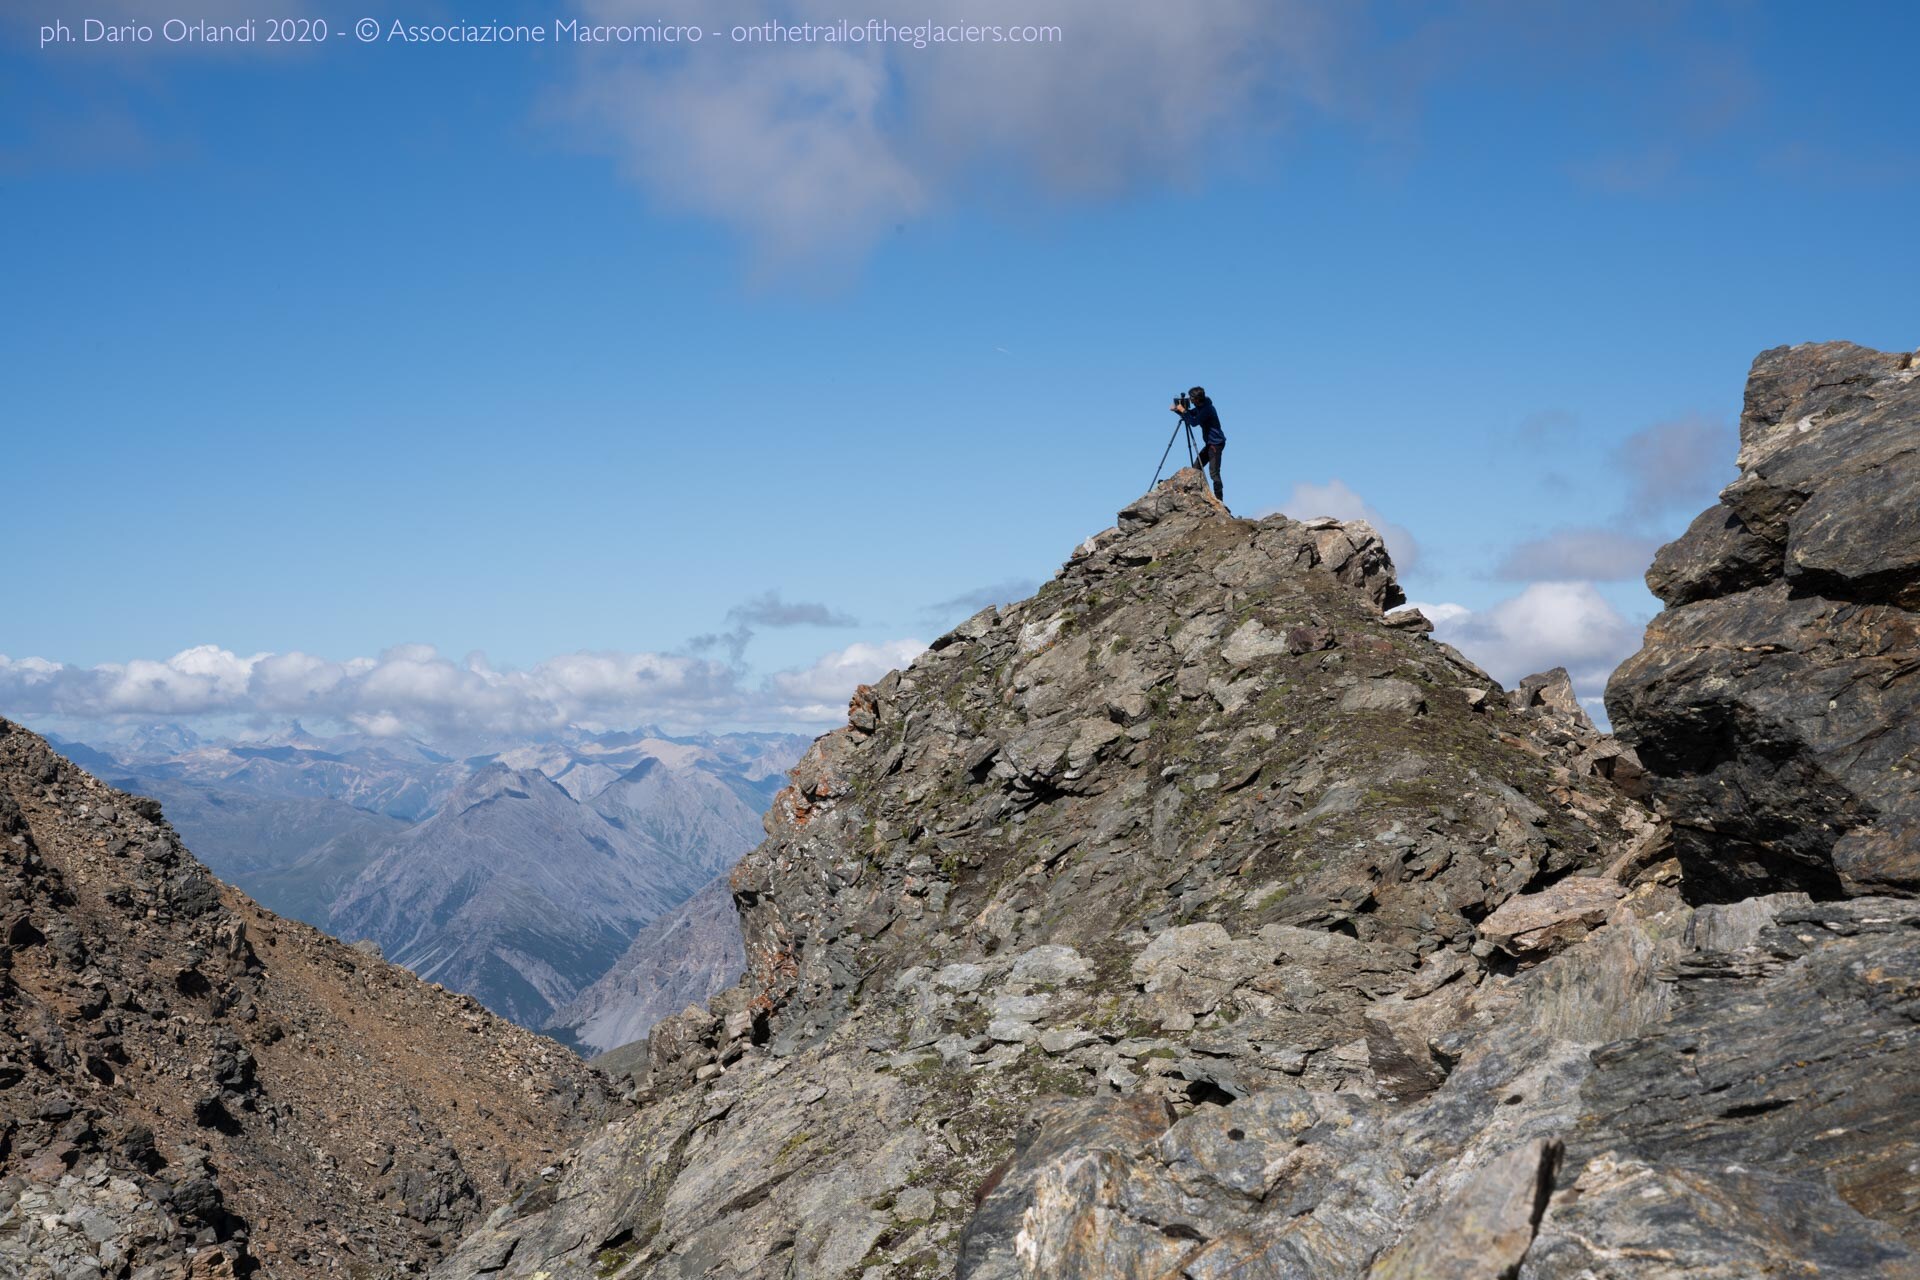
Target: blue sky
[{"x": 541, "y": 351}]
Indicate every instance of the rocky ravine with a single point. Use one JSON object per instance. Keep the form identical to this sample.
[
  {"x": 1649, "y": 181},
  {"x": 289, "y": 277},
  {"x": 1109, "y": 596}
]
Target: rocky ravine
[
  {"x": 193, "y": 1086},
  {"x": 685, "y": 957},
  {"x": 1195, "y": 916}
]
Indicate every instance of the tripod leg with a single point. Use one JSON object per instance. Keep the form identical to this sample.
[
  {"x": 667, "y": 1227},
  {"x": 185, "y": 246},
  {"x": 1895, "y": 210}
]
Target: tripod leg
[{"x": 1168, "y": 452}]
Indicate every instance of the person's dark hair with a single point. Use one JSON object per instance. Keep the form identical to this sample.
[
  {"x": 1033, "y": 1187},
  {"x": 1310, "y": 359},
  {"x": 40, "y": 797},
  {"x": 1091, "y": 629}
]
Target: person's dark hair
[{"x": 1197, "y": 394}]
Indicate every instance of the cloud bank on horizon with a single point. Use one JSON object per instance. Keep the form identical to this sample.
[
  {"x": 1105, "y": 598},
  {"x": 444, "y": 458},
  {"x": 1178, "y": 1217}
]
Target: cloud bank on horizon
[{"x": 413, "y": 690}]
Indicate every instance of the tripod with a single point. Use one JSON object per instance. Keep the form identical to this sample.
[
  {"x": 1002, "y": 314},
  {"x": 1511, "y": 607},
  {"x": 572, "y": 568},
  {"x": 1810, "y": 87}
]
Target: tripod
[{"x": 1192, "y": 453}]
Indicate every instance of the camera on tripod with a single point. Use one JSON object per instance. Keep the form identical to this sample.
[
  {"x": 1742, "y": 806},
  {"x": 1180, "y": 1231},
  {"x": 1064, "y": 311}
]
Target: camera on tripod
[{"x": 1182, "y": 404}]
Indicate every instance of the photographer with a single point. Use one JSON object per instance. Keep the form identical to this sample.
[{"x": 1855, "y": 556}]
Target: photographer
[{"x": 1197, "y": 411}]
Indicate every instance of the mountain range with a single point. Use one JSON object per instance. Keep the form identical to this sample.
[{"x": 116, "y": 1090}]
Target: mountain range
[{"x": 519, "y": 876}]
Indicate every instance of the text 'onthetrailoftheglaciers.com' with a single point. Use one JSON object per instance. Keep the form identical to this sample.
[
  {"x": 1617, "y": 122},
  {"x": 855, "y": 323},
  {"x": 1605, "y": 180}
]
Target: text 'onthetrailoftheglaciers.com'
[{"x": 371, "y": 31}]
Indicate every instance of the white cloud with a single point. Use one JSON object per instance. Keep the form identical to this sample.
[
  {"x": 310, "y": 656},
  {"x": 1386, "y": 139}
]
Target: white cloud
[
  {"x": 1676, "y": 466},
  {"x": 417, "y": 691},
  {"x": 1442, "y": 614},
  {"x": 1338, "y": 499},
  {"x": 812, "y": 148},
  {"x": 820, "y": 692},
  {"x": 1600, "y": 555},
  {"x": 189, "y": 683},
  {"x": 785, "y": 145},
  {"x": 1550, "y": 624}
]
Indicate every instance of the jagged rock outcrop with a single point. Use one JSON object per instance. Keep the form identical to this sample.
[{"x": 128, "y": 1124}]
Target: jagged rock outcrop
[
  {"x": 192, "y": 1086},
  {"x": 1777, "y": 700},
  {"x": 1198, "y": 836}
]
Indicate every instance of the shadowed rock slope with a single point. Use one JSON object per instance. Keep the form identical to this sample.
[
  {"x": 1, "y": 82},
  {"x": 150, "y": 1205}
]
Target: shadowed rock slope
[
  {"x": 1193, "y": 911},
  {"x": 681, "y": 959},
  {"x": 1778, "y": 696},
  {"x": 193, "y": 1086}
]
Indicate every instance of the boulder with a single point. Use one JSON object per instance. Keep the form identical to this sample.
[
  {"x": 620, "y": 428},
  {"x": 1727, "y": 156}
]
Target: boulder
[
  {"x": 1487, "y": 1226},
  {"x": 1400, "y": 697},
  {"x": 1552, "y": 919},
  {"x": 1551, "y": 691}
]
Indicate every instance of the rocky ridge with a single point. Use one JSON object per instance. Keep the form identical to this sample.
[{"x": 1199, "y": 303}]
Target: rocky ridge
[
  {"x": 1200, "y": 917},
  {"x": 192, "y": 1086},
  {"x": 1710, "y": 1066},
  {"x": 1200, "y": 843}
]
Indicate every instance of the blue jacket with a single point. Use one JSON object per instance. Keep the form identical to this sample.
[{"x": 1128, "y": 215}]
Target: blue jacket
[{"x": 1207, "y": 418}]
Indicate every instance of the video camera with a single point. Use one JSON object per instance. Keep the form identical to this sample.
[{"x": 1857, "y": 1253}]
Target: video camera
[{"x": 1181, "y": 402}]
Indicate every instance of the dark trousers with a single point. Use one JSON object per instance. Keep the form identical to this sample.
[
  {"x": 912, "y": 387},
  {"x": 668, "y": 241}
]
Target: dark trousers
[{"x": 1210, "y": 457}]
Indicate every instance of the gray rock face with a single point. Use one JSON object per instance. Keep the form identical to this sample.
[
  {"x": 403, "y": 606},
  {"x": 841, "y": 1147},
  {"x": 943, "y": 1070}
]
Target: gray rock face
[
  {"x": 1002, "y": 789},
  {"x": 1829, "y": 1085},
  {"x": 1127, "y": 846},
  {"x": 1618, "y": 1111},
  {"x": 1777, "y": 700}
]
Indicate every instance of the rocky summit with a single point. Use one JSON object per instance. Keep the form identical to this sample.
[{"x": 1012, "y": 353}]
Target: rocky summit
[
  {"x": 191, "y": 1086},
  {"x": 1197, "y": 911}
]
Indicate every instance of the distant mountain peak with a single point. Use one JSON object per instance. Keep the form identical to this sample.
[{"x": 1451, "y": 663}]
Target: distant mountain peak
[{"x": 647, "y": 768}]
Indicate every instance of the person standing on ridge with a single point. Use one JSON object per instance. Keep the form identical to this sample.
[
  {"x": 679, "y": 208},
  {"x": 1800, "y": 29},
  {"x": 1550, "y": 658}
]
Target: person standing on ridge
[{"x": 1197, "y": 411}]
